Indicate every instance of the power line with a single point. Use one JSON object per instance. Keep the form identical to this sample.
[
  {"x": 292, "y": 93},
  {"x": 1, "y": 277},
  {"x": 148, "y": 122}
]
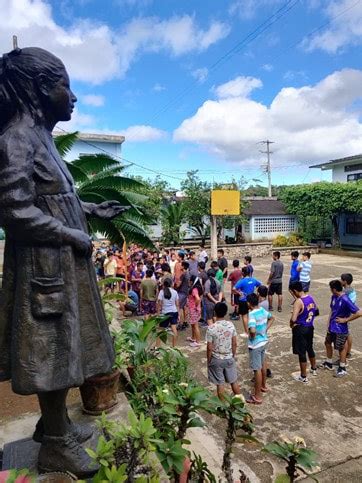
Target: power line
[{"x": 131, "y": 163}]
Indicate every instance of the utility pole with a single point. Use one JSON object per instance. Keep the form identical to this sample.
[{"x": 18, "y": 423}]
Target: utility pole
[{"x": 268, "y": 165}]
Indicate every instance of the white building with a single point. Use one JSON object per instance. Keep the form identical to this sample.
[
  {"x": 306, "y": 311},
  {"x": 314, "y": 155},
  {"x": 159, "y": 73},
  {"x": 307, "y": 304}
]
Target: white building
[
  {"x": 266, "y": 219},
  {"x": 95, "y": 144},
  {"x": 347, "y": 170}
]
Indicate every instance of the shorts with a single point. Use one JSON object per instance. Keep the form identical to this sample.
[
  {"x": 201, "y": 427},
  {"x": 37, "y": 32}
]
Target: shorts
[
  {"x": 182, "y": 299},
  {"x": 257, "y": 357},
  {"x": 302, "y": 341},
  {"x": 305, "y": 286},
  {"x": 220, "y": 371},
  {"x": 243, "y": 307},
  {"x": 275, "y": 288},
  {"x": 131, "y": 308},
  {"x": 338, "y": 340},
  {"x": 172, "y": 319},
  {"x": 290, "y": 283},
  {"x": 235, "y": 299},
  {"x": 148, "y": 307}
]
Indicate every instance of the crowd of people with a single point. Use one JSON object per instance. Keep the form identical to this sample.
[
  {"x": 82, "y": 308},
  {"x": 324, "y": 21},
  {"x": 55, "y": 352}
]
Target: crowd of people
[{"x": 188, "y": 290}]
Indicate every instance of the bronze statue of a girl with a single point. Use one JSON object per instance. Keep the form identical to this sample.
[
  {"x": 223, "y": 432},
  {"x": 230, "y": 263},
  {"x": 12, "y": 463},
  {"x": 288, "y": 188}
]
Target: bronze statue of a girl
[{"x": 53, "y": 332}]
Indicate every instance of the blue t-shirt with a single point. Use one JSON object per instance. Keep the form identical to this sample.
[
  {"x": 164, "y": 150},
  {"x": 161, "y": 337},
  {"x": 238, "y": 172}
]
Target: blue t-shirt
[
  {"x": 258, "y": 320},
  {"x": 341, "y": 307},
  {"x": 133, "y": 297},
  {"x": 294, "y": 274},
  {"x": 246, "y": 285}
]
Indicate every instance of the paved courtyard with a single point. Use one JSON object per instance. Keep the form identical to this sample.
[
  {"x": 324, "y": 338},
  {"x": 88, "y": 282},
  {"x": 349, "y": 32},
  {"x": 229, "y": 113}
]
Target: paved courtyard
[{"x": 328, "y": 411}]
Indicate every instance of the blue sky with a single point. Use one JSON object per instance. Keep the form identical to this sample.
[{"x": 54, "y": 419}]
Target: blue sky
[{"x": 146, "y": 68}]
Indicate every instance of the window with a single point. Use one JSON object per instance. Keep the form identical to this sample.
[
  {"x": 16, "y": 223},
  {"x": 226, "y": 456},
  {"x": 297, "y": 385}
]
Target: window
[
  {"x": 353, "y": 167},
  {"x": 354, "y": 225},
  {"x": 281, "y": 224},
  {"x": 354, "y": 177}
]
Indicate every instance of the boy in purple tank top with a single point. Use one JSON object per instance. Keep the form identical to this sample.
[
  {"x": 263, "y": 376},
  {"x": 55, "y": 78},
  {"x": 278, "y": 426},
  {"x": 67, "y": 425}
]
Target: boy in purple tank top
[
  {"x": 343, "y": 310},
  {"x": 301, "y": 323}
]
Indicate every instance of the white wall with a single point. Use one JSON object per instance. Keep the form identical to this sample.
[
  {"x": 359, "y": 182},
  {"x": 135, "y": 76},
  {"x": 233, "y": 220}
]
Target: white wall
[
  {"x": 276, "y": 223},
  {"x": 339, "y": 175},
  {"x": 81, "y": 147}
]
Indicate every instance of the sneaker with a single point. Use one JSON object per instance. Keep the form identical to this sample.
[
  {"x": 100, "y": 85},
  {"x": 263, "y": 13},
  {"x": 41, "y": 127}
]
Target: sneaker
[
  {"x": 349, "y": 356},
  {"x": 341, "y": 371},
  {"x": 327, "y": 365},
  {"x": 234, "y": 317},
  {"x": 313, "y": 371},
  {"x": 279, "y": 309},
  {"x": 302, "y": 379},
  {"x": 269, "y": 373},
  {"x": 244, "y": 336},
  {"x": 271, "y": 309},
  {"x": 195, "y": 344},
  {"x": 204, "y": 324}
]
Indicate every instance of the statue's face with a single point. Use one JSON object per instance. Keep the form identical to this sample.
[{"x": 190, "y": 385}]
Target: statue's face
[{"x": 61, "y": 99}]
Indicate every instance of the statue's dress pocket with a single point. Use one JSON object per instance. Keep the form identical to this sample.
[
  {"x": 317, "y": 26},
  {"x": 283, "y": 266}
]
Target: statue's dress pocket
[{"x": 47, "y": 284}]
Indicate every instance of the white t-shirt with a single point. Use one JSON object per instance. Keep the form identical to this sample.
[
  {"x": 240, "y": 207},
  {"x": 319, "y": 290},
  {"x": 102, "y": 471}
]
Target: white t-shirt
[
  {"x": 202, "y": 256},
  {"x": 168, "y": 305},
  {"x": 221, "y": 334},
  {"x": 172, "y": 264}
]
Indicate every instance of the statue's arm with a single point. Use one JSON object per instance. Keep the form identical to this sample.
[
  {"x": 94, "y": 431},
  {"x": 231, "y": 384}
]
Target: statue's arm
[
  {"x": 18, "y": 213},
  {"x": 88, "y": 208}
]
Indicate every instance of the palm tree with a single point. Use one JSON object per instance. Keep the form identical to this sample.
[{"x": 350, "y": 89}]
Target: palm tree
[
  {"x": 172, "y": 217},
  {"x": 98, "y": 178}
]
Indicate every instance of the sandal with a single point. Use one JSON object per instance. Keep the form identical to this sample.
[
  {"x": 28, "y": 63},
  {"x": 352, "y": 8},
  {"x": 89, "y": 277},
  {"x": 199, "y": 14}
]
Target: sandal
[
  {"x": 190, "y": 339},
  {"x": 265, "y": 389},
  {"x": 253, "y": 400}
]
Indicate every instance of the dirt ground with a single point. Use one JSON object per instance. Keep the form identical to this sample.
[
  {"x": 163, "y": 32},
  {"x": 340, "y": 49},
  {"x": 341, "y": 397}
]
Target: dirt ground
[{"x": 327, "y": 412}]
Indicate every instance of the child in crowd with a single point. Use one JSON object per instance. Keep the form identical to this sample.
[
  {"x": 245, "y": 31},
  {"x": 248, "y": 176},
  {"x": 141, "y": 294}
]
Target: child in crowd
[
  {"x": 219, "y": 276},
  {"x": 259, "y": 323},
  {"x": 248, "y": 265},
  {"x": 212, "y": 295},
  {"x": 304, "y": 269},
  {"x": 294, "y": 273},
  {"x": 148, "y": 293},
  {"x": 172, "y": 263},
  {"x": 136, "y": 278},
  {"x": 347, "y": 279},
  {"x": 221, "y": 351},
  {"x": 342, "y": 312},
  {"x": 245, "y": 286},
  {"x": 262, "y": 292},
  {"x": 234, "y": 277},
  {"x": 275, "y": 281},
  {"x": 194, "y": 310},
  {"x": 301, "y": 323},
  {"x": 168, "y": 305},
  {"x": 131, "y": 304},
  {"x": 223, "y": 263},
  {"x": 183, "y": 292}
]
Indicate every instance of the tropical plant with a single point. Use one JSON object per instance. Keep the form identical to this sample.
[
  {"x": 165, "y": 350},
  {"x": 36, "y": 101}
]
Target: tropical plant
[
  {"x": 125, "y": 451},
  {"x": 172, "y": 217},
  {"x": 197, "y": 203},
  {"x": 99, "y": 178},
  {"x": 295, "y": 453},
  {"x": 199, "y": 471},
  {"x": 238, "y": 418}
]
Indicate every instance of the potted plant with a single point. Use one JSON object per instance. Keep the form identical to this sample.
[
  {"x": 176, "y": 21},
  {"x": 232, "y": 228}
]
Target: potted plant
[{"x": 99, "y": 393}]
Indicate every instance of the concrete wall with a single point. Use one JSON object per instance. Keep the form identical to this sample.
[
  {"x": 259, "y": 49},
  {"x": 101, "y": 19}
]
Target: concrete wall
[
  {"x": 256, "y": 235},
  {"x": 339, "y": 175}
]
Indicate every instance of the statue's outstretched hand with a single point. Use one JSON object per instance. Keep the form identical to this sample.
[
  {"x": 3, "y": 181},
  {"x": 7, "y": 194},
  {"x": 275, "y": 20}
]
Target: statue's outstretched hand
[{"x": 109, "y": 209}]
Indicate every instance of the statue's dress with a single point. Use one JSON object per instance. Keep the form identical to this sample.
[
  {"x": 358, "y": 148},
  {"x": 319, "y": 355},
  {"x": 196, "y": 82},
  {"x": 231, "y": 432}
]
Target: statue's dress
[{"x": 53, "y": 331}]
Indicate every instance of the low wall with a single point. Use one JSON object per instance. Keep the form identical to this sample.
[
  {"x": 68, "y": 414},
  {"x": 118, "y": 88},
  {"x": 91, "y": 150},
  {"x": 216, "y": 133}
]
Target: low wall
[{"x": 255, "y": 250}]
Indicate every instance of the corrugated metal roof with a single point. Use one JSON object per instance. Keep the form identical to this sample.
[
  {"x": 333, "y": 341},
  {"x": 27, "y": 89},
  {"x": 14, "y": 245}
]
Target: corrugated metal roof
[{"x": 266, "y": 206}]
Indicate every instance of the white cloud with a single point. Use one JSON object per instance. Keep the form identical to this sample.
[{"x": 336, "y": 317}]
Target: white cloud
[
  {"x": 308, "y": 124},
  {"x": 93, "y": 100},
  {"x": 79, "y": 122},
  {"x": 142, "y": 133},
  {"x": 158, "y": 87},
  {"x": 238, "y": 87},
  {"x": 246, "y": 9},
  {"x": 200, "y": 74},
  {"x": 267, "y": 67},
  {"x": 345, "y": 28},
  {"x": 91, "y": 50}
]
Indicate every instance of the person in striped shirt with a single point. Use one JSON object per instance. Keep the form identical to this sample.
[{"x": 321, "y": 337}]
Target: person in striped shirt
[{"x": 304, "y": 270}]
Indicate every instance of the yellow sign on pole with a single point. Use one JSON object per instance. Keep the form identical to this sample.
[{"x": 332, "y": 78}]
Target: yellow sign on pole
[{"x": 225, "y": 202}]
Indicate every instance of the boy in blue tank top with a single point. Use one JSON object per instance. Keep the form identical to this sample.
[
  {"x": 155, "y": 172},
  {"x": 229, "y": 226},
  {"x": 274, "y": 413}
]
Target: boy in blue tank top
[{"x": 301, "y": 323}]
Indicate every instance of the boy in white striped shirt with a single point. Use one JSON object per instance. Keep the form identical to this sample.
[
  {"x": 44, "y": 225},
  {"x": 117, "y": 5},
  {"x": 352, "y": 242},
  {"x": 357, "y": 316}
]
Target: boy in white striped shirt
[{"x": 305, "y": 268}]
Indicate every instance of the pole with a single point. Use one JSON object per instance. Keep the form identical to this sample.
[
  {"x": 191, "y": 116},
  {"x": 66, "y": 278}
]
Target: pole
[
  {"x": 213, "y": 237},
  {"x": 269, "y": 168},
  {"x": 124, "y": 256},
  {"x": 268, "y": 165}
]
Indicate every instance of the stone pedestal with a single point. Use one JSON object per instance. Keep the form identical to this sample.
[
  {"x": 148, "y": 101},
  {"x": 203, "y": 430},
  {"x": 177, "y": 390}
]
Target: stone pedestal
[{"x": 21, "y": 454}]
